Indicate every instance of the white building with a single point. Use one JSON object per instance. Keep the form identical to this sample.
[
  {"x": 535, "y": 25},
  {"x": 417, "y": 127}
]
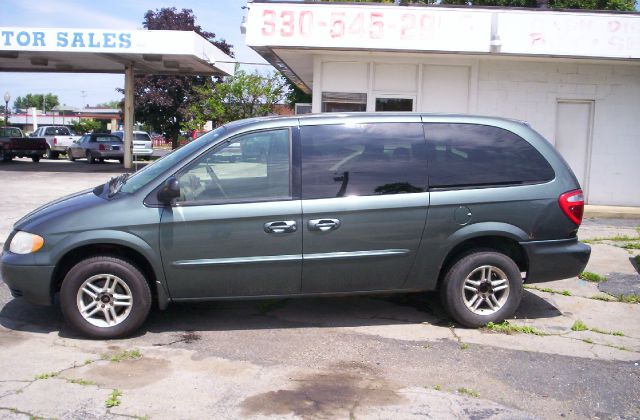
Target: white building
[{"x": 574, "y": 76}]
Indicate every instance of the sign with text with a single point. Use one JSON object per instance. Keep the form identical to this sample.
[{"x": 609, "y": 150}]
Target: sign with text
[
  {"x": 570, "y": 34},
  {"x": 361, "y": 27}
]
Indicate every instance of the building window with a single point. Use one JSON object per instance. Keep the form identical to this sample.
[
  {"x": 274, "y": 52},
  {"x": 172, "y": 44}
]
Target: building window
[
  {"x": 344, "y": 102},
  {"x": 394, "y": 104}
]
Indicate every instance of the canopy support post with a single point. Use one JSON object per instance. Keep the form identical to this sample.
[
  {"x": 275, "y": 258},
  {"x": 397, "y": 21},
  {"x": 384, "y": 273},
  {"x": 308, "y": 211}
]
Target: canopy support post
[{"x": 129, "y": 116}]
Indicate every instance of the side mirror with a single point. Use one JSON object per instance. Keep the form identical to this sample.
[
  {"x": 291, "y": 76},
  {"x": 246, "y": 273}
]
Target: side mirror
[{"x": 169, "y": 191}]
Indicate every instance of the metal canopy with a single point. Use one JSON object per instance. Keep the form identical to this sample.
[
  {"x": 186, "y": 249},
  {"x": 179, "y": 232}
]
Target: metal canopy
[{"x": 72, "y": 50}]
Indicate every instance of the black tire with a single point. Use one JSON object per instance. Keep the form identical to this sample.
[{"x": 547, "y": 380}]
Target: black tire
[
  {"x": 7, "y": 158},
  {"x": 50, "y": 154},
  {"x": 35, "y": 159},
  {"x": 113, "y": 266},
  {"x": 70, "y": 156},
  {"x": 121, "y": 160},
  {"x": 90, "y": 158},
  {"x": 453, "y": 295}
]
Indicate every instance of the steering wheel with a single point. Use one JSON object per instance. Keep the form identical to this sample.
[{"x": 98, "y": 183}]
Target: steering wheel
[{"x": 215, "y": 180}]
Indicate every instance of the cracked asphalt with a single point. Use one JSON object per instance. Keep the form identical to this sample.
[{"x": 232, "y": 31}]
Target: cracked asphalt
[{"x": 353, "y": 357}]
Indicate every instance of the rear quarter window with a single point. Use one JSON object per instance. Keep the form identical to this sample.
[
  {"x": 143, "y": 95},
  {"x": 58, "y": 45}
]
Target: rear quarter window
[{"x": 472, "y": 155}]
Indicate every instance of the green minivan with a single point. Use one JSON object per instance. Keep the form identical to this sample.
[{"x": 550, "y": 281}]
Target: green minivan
[{"x": 326, "y": 204}]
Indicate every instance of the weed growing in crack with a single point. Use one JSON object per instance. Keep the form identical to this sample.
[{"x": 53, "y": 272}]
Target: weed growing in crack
[
  {"x": 437, "y": 387},
  {"x": 47, "y": 375},
  {"x": 113, "y": 400},
  {"x": 592, "y": 277},
  {"x": 506, "y": 328},
  {"x": 81, "y": 381},
  {"x": 579, "y": 326},
  {"x": 122, "y": 355},
  {"x": 588, "y": 341},
  {"x": 468, "y": 392}
]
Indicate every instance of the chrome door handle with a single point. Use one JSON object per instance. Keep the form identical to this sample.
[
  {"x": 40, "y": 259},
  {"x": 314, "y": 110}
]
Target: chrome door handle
[
  {"x": 323, "y": 225},
  {"x": 281, "y": 226}
]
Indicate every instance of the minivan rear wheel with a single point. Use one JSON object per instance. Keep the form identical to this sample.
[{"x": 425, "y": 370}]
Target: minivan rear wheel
[
  {"x": 105, "y": 297},
  {"x": 482, "y": 287}
]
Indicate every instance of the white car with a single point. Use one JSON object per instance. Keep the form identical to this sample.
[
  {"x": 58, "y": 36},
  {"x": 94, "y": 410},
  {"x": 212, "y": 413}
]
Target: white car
[{"x": 142, "y": 143}]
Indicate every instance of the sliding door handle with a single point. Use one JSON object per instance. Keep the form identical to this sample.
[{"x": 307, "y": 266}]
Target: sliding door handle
[{"x": 323, "y": 225}]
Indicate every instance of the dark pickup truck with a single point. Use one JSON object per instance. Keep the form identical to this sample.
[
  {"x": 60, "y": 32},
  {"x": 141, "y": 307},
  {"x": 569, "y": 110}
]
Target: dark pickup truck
[{"x": 14, "y": 144}]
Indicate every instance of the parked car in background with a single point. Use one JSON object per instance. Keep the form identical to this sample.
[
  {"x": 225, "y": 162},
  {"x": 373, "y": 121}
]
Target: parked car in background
[
  {"x": 142, "y": 143},
  {"x": 97, "y": 147},
  {"x": 472, "y": 207},
  {"x": 58, "y": 138},
  {"x": 14, "y": 144}
]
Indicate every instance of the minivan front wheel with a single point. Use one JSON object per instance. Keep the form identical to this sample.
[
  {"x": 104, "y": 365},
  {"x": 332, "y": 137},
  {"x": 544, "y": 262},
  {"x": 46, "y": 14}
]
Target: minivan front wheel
[
  {"x": 482, "y": 287},
  {"x": 105, "y": 297}
]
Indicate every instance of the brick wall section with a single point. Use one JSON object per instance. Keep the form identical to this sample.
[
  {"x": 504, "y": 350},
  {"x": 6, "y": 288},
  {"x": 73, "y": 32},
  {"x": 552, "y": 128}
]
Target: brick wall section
[{"x": 529, "y": 90}]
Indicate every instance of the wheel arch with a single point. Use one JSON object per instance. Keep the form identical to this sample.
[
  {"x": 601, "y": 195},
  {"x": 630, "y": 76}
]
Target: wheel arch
[
  {"x": 498, "y": 237},
  {"x": 120, "y": 244}
]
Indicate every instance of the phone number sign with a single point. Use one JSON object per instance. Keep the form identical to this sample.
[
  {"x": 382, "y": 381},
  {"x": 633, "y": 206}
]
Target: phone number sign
[{"x": 360, "y": 27}]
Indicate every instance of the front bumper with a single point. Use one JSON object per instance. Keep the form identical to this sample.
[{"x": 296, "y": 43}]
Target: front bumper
[
  {"x": 555, "y": 260},
  {"x": 31, "y": 282}
]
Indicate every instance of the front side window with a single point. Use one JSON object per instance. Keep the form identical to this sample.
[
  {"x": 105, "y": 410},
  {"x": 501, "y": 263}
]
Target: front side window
[
  {"x": 251, "y": 167},
  {"x": 465, "y": 155},
  {"x": 363, "y": 159}
]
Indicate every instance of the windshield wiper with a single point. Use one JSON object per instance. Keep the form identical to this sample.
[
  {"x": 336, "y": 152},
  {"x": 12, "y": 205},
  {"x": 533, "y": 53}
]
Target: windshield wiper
[{"x": 116, "y": 183}]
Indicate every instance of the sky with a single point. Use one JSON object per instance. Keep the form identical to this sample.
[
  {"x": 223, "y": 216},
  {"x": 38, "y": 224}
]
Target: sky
[{"x": 222, "y": 17}]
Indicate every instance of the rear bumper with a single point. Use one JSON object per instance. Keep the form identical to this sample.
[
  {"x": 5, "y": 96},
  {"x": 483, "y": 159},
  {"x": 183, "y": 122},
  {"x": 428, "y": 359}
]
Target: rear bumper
[
  {"x": 555, "y": 260},
  {"x": 30, "y": 282},
  {"x": 142, "y": 151},
  {"x": 57, "y": 148},
  {"x": 108, "y": 154}
]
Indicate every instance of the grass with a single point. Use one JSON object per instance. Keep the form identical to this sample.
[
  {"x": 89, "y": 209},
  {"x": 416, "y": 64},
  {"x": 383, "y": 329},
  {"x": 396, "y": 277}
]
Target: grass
[
  {"x": 113, "y": 400},
  {"x": 588, "y": 341},
  {"x": 592, "y": 277},
  {"x": 604, "y": 298},
  {"x": 469, "y": 392},
  {"x": 637, "y": 258},
  {"x": 548, "y": 290},
  {"x": 122, "y": 355},
  {"x": 506, "y": 328},
  {"x": 631, "y": 245},
  {"x": 629, "y": 298},
  {"x": 437, "y": 387},
  {"x": 464, "y": 346},
  {"x": 579, "y": 326},
  {"x": 616, "y": 238}
]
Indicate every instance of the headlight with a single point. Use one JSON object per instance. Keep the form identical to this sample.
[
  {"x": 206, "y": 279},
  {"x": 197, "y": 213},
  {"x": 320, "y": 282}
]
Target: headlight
[{"x": 25, "y": 243}]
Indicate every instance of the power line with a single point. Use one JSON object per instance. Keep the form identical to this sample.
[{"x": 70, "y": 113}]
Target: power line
[{"x": 244, "y": 62}]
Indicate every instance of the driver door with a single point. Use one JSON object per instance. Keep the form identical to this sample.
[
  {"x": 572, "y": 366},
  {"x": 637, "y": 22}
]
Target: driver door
[{"x": 235, "y": 230}]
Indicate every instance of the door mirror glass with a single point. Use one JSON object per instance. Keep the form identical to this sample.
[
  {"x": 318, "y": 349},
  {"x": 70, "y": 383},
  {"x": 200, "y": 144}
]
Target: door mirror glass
[{"x": 169, "y": 191}]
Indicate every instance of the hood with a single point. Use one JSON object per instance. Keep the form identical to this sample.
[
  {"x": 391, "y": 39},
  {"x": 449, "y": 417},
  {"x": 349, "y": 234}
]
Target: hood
[{"x": 56, "y": 208}]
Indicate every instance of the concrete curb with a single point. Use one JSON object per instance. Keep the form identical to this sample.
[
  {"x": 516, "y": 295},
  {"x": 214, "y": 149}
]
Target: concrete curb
[{"x": 611, "y": 212}]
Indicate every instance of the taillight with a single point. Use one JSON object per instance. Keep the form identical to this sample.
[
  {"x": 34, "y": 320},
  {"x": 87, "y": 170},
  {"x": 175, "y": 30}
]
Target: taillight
[
  {"x": 572, "y": 204},
  {"x": 101, "y": 147},
  {"x": 55, "y": 140}
]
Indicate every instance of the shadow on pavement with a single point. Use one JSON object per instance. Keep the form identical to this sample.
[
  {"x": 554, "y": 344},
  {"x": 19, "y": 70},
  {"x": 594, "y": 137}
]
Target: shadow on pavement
[{"x": 326, "y": 312}]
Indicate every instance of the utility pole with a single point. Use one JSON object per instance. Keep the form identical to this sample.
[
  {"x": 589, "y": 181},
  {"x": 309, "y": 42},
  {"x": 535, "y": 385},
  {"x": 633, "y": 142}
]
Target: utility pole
[{"x": 83, "y": 93}]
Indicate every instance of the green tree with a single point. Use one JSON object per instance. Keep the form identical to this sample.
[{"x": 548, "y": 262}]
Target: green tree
[
  {"x": 162, "y": 102},
  {"x": 36, "y": 100},
  {"x": 243, "y": 95},
  {"x": 295, "y": 95},
  {"x": 110, "y": 104},
  {"x": 86, "y": 125}
]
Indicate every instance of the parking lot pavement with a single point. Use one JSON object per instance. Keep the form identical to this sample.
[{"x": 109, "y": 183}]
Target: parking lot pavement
[{"x": 355, "y": 357}]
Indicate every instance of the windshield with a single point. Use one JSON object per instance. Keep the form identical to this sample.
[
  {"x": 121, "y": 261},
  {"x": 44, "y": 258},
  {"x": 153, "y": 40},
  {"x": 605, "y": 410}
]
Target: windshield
[{"x": 146, "y": 175}]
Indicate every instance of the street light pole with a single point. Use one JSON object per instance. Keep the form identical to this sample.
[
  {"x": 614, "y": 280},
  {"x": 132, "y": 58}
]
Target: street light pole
[{"x": 7, "y": 98}]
